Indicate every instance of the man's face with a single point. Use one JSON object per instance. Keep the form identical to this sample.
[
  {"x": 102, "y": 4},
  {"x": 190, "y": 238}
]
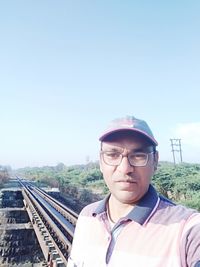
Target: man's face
[{"x": 127, "y": 183}]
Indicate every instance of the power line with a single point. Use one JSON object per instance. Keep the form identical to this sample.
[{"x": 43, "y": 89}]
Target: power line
[{"x": 176, "y": 147}]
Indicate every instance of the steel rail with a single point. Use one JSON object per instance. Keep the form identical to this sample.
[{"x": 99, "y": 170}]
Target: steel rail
[
  {"x": 47, "y": 243},
  {"x": 59, "y": 227},
  {"x": 69, "y": 214}
]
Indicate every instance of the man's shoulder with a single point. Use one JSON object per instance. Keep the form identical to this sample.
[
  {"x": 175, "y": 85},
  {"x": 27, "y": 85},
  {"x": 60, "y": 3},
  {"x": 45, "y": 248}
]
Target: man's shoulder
[
  {"x": 171, "y": 212},
  {"x": 90, "y": 209},
  {"x": 165, "y": 202}
]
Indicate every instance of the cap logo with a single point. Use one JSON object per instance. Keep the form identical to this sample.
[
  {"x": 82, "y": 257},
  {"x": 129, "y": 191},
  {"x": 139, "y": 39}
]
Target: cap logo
[{"x": 126, "y": 123}]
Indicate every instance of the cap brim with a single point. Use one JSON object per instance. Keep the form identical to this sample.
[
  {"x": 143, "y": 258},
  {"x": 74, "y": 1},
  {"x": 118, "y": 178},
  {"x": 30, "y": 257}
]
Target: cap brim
[{"x": 106, "y": 134}]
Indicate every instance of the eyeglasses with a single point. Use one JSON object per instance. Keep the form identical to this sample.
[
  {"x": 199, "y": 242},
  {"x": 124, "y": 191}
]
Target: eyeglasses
[{"x": 136, "y": 159}]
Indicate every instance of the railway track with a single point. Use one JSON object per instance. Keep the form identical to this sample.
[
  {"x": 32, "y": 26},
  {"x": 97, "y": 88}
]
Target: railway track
[{"x": 53, "y": 223}]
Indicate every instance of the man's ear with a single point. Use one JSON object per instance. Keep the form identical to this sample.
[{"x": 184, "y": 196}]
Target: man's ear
[
  {"x": 156, "y": 158},
  {"x": 100, "y": 163}
]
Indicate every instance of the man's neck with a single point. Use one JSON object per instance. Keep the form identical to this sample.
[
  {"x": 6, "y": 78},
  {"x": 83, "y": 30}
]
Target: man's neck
[{"x": 117, "y": 209}]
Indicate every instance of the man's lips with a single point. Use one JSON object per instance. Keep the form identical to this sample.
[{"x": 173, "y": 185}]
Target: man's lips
[
  {"x": 127, "y": 185},
  {"x": 129, "y": 182},
  {"x": 126, "y": 181}
]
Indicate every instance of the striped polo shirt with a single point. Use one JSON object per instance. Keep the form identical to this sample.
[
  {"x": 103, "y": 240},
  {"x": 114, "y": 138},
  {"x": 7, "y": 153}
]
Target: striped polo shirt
[{"x": 156, "y": 233}]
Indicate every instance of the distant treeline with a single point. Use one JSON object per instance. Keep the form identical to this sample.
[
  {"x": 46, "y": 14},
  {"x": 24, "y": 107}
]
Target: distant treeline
[{"x": 84, "y": 183}]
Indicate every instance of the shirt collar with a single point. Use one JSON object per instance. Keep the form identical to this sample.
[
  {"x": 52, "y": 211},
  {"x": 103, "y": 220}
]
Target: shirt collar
[{"x": 141, "y": 211}]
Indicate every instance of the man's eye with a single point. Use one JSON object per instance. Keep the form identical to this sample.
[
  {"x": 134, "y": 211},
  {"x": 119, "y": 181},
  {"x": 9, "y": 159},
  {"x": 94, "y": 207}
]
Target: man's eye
[
  {"x": 138, "y": 156},
  {"x": 112, "y": 155}
]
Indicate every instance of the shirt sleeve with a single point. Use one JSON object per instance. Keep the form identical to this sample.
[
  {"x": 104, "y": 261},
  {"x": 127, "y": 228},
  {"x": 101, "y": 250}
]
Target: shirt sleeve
[
  {"x": 71, "y": 263},
  {"x": 190, "y": 247}
]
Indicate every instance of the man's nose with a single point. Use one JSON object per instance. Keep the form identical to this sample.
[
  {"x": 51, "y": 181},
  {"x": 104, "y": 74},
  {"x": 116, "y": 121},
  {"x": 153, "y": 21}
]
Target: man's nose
[{"x": 125, "y": 166}]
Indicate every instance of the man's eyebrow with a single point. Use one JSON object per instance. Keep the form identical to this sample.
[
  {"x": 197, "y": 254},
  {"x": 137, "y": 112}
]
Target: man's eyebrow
[
  {"x": 115, "y": 149},
  {"x": 142, "y": 149},
  {"x": 121, "y": 149}
]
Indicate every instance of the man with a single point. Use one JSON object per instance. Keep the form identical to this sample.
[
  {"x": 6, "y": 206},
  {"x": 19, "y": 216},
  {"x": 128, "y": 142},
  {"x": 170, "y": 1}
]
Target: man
[{"x": 133, "y": 225}]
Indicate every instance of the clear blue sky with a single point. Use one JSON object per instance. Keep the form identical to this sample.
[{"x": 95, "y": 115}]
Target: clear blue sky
[{"x": 68, "y": 67}]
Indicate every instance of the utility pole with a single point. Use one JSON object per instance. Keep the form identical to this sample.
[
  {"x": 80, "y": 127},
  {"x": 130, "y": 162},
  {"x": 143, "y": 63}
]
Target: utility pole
[{"x": 176, "y": 147}]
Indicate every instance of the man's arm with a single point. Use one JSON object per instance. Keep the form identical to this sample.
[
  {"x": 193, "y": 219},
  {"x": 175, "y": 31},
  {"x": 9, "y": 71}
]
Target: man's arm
[{"x": 190, "y": 247}]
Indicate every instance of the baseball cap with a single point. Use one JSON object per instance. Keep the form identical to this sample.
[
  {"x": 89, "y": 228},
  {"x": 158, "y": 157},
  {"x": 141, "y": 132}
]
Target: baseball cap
[{"x": 129, "y": 123}]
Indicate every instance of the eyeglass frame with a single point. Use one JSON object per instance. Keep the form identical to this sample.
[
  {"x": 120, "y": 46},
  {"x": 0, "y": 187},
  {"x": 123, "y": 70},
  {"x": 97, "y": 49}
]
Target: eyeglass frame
[{"x": 127, "y": 156}]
